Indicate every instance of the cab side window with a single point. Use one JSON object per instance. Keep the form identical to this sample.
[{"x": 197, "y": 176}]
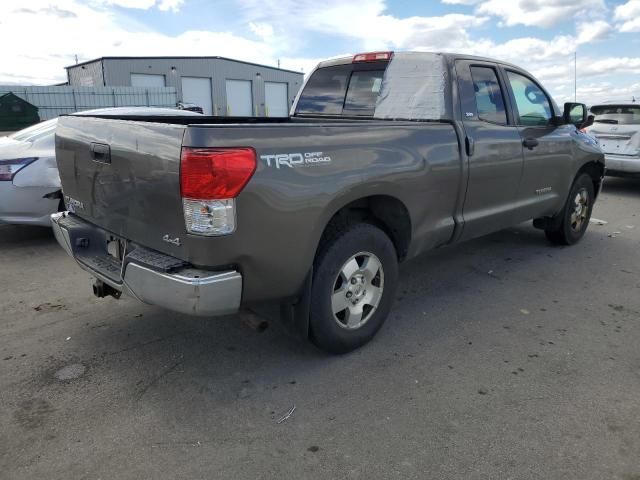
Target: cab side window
[
  {"x": 489, "y": 97},
  {"x": 534, "y": 107}
]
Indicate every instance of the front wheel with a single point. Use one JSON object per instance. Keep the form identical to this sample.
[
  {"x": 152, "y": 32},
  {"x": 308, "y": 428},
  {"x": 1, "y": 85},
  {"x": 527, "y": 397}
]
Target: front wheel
[
  {"x": 571, "y": 223},
  {"x": 354, "y": 282}
]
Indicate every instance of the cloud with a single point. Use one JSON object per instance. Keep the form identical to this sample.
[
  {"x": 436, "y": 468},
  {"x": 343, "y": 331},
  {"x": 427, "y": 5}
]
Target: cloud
[
  {"x": 164, "y": 5},
  {"x": 262, "y": 30},
  {"x": 593, "y": 31},
  {"x": 366, "y": 22},
  {"x": 35, "y": 62},
  {"x": 628, "y": 14},
  {"x": 461, "y": 2},
  {"x": 286, "y": 30},
  {"x": 539, "y": 13}
]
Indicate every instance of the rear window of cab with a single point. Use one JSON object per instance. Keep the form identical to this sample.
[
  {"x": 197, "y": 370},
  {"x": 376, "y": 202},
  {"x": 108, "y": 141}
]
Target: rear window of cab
[{"x": 348, "y": 90}]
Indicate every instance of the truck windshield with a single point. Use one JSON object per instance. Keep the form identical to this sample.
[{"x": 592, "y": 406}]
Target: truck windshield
[
  {"x": 622, "y": 114},
  {"x": 349, "y": 90}
]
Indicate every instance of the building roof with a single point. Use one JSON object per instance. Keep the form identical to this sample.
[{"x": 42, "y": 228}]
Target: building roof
[{"x": 182, "y": 58}]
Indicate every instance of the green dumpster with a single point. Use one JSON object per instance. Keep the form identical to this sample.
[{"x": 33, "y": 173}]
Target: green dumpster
[{"x": 16, "y": 113}]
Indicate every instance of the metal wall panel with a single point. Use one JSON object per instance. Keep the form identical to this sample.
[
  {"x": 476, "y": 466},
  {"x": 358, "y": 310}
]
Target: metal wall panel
[
  {"x": 118, "y": 72},
  {"x": 230, "y": 70},
  {"x": 276, "y": 99},
  {"x": 86, "y": 75},
  {"x": 55, "y": 101}
]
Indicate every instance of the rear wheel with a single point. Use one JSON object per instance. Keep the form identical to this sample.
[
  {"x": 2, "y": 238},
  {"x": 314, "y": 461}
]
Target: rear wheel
[
  {"x": 571, "y": 223},
  {"x": 354, "y": 282}
]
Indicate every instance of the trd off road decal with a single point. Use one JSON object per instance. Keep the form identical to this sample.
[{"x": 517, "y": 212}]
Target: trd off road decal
[{"x": 295, "y": 160}]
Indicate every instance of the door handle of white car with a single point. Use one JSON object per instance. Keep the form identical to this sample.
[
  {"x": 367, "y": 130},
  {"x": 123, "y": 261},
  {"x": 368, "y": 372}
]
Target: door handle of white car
[{"x": 530, "y": 143}]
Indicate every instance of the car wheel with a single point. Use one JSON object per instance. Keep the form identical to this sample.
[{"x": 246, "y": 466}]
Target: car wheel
[
  {"x": 571, "y": 223},
  {"x": 354, "y": 283}
]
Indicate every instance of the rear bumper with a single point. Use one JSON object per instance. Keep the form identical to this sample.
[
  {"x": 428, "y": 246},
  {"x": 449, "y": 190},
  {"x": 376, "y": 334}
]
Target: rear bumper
[
  {"x": 622, "y": 164},
  {"x": 149, "y": 276},
  {"x": 26, "y": 205}
]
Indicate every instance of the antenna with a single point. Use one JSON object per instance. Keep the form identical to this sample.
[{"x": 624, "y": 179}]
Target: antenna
[
  {"x": 76, "y": 55},
  {"x": 575, "y": 76}
]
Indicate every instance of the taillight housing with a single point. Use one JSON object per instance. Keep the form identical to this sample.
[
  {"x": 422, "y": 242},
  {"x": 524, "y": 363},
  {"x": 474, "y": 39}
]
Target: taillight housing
[
  {"x": 372, "y": 57},
  {"x": 210, "y": 180},
  {"x": 9, "y": 168}
]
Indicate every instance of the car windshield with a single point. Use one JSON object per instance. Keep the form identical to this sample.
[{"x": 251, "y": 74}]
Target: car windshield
[
  {"x": 35, "y": 132},
  {"x": 617, "y": 114}
]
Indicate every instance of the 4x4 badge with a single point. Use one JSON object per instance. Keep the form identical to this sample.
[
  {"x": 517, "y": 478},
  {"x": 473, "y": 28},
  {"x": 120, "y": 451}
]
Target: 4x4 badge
[{"x": 173, "y": 241}]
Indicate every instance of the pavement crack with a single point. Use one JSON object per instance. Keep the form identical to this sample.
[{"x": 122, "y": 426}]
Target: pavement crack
[{"x": 156, "y": 379}]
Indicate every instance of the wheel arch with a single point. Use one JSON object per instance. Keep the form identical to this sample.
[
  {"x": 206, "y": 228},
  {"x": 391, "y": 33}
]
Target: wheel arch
[
  {"x": 596, "y": 171},
  {"x": 387, "y": 212}
]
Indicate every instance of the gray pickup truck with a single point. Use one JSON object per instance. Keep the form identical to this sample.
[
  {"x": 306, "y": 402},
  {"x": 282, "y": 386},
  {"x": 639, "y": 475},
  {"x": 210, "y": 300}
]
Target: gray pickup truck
[{"x": 384, "y": 157}]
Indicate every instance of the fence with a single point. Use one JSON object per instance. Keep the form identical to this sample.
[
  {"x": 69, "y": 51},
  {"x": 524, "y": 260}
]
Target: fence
[{"x": 55, "y": 101}]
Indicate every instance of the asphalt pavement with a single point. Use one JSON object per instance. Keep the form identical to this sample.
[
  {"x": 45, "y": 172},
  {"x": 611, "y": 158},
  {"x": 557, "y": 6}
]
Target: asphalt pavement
[{"x": 503, "y": 358}]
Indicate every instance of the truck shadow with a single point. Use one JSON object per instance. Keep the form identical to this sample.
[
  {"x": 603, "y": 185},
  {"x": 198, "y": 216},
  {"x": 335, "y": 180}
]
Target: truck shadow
[
  {"x": 19, "y": 236},
  {"x": 623, "y": 186},
  {"x": 164, "y": 357}
]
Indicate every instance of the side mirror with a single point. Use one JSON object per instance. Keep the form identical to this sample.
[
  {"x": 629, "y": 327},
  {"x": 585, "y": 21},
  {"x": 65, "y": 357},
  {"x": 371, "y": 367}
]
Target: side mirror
[{"x": 576, "y": 114}]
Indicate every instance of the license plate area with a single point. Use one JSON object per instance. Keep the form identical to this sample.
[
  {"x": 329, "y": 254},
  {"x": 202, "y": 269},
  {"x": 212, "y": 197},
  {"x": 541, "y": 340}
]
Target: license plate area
[{"x": 116, "y": 247}]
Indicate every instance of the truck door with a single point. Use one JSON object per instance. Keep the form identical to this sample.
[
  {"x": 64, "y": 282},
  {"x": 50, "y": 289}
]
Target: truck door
[
  {"x": 494, "y": 149},
  {"x": 548, "y": 160}
]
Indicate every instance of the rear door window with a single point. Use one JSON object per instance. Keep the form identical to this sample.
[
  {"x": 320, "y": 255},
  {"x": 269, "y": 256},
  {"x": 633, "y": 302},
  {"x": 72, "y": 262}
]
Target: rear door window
[
  {"x": 488, "y": 94},
  {"x": 350, "y": 90}
]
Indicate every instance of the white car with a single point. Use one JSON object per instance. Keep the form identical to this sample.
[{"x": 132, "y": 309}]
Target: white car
[
  {"x": 617, "y": 129},
  {"x": 29, "y": 182}
]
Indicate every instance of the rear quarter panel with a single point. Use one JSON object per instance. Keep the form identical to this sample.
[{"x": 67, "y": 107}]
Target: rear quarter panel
[{"x": 283, "y": 210}]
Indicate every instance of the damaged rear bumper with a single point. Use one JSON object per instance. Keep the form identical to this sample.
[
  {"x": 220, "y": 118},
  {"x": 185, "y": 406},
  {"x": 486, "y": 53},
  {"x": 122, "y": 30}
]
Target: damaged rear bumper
[
  {"x": 622, "y": 165},
  {"x": 149, "y": 276}
]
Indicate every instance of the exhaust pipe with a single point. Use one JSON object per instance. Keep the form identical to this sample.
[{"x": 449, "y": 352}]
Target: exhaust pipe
[{"x": 101, "y": 290}]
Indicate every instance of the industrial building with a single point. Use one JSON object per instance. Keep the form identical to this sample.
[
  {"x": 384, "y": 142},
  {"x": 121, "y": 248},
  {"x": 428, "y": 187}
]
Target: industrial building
[{"x": 221, "y": 86}]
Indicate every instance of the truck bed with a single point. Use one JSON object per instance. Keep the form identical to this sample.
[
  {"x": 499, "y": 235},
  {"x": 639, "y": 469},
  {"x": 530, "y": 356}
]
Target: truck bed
[{"x": 282, "y": 211}]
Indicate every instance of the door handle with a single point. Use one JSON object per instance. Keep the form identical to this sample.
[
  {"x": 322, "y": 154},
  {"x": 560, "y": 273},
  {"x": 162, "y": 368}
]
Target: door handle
[
  {"x": 100, "y": 152},
  {"x": 470, "y": 145},
  {"x": 530, "y": 143}
]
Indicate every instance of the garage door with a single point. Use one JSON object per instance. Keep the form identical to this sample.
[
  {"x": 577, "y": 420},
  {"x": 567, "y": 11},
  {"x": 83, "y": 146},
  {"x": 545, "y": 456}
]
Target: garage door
[
  {"x": 197, "y": 91},
  {"x": 146, "y": 80},
  {"x": 276, "y": 103},
  {"x": 239, "y": 98}
]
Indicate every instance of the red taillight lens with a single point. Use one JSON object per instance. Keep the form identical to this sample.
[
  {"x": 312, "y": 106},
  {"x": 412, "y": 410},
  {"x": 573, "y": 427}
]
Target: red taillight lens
[
  {"x": 215, "y": 173},
  {"x": 372, "y": 57}
]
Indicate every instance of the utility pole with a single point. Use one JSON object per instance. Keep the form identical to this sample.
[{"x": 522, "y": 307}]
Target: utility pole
[{"x": 575, "y": 76}]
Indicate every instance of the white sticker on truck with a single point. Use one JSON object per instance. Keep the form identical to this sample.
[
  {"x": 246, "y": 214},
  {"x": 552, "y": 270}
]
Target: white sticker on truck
[{"x": 294, "y": 160}]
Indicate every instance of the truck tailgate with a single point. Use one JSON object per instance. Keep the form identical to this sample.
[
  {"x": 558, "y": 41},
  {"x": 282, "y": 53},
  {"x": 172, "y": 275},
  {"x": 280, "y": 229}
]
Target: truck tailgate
[{"x": 122, "y": 175}]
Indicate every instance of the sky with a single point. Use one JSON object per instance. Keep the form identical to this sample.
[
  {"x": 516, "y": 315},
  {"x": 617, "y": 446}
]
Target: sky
[{"x": 41, "y": 37}]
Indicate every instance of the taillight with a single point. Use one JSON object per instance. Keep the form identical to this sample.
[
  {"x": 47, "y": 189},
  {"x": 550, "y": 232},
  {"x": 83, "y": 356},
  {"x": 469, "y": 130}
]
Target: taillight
[
  {"x": 372, "y": 57},
  {"x": 210, "y": 180},
  {"x": 9, "y": 168}
]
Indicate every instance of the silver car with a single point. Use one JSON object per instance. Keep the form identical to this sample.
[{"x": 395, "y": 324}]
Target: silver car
[
  {"x": 29, "y": 181},
  {"x": 616, "y": 127}
]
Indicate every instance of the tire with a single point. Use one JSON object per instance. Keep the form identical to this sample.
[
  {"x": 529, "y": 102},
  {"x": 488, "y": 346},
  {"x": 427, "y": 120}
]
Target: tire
[
  {"x": 356, "y": 268},
  {"x": 569, "y": 226}
]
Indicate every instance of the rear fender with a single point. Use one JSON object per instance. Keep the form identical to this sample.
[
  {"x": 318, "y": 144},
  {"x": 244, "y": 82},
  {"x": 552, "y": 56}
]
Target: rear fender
[{"x": 41, "y": 173}]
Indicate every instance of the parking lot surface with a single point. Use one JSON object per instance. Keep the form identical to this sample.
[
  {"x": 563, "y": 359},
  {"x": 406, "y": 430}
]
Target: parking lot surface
[{"x": 503, "y": 357}]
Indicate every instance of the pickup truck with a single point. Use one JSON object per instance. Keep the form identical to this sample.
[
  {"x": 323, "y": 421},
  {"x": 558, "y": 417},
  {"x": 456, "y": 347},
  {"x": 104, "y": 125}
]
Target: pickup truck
[{"x": 384, "y": 156}]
